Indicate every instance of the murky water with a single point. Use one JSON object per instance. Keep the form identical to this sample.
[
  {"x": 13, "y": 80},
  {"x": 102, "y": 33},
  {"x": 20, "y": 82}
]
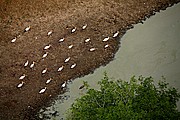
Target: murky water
[{"x": 149, "y": 49}]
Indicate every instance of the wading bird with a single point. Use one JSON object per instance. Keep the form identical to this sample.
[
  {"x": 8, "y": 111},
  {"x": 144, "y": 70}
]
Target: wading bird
[
  {"x": 63, "y": 85},
  {"x": 44, "y": 71},
  {"x": 73, "y": 30},
  {"x": 106, "y": 46},
  {"x": 49, "y": 80},
  {"x": 116, "y": 34},
  {"x": 42, "y": 90},
  {"x": 84, "y": 27},
  {"x": 87, "y": 40},
  {"x": 27, "y": 29},
  {"x": 47, "y": 47},
  {"x": 67, "y": 59},
  {"x": 13, "y": 40},
  {"x": 61, "y": 40},
  {"x": 20, "y": 84},
  {"x": 70, "y": 46},
  {"x": 22, "y": 76},
  {"x": 32, "y": 65},
  {"x": 60, "y": 68},
  {"x": 26, "y": 63},
  {"x": 92, "y": 49},
  {"x": 105, "y": 39},
  {"x": 49, "y": 33},
  {"x": 45, "y": 55},
  {"x": 73, "y": 65}
]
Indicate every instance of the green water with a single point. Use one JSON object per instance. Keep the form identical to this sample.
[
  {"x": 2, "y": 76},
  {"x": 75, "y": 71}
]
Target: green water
[{"x": 149, "y": 49}]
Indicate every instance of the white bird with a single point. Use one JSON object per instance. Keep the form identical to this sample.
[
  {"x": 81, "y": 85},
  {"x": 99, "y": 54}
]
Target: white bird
[
  {"x": 106, "y": 46},
  {"x": 49, "y": 33},
  {"x": 20, "y": 84},
  {"x": 49, "y": 80},
  {"x": 63, "y": 85},
  {"x": 61, "y": 40},
  {"x": 92, "y": 49},
  {"x": 42, "y": 90},
  {"x": 73, "y": 30},
  {"x": 67, "y": 59},
  {"x": 22, "y": 76},
  {"x": 106, "y": 39},
  {"x": 26, "y": 63},
  {"x": 44, "y": 71},
  {"x": 32, "y": 65},
  {"x": 73, "y": 65},
  {"x": 70, "y": 46},
  {"x": 27, "y": 29},
  {"x": 87, "y": 40},
  {"x": 84, "y": 27},
  {"x": 13, "y": 40},
  {"x": 116, "y": 34},
  {"x": 45, "y": 55},
  {"x": 60, "y": 68},
  {"x": 47, "y": 47}
]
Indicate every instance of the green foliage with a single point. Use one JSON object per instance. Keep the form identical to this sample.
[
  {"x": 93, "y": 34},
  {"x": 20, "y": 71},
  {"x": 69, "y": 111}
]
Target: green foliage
[{"x": 134, "y": 100}]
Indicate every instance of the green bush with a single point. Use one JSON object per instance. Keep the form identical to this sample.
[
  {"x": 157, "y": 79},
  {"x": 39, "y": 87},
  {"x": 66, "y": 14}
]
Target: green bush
[{"x": 134, "y": 100}]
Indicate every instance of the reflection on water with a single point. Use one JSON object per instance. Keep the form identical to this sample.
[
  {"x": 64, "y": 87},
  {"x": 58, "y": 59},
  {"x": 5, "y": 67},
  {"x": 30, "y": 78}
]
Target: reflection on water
[{"x": 151, "y": 49}]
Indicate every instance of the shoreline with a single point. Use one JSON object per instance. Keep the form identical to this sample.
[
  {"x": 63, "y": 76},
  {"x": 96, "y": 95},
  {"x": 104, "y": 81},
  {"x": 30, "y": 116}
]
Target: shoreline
[{"x": 89, "y": 61}]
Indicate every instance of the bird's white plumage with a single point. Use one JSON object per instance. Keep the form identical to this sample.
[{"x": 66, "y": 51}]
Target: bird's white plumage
[
  {"x": 84, "y": 27},
  {"x": 20, "y": 84},
  {"x": 116, "y": 34},
  {"x": 63, "y": 85},
  {"x": 105, "y": 39},
  {"x": 48, "y": 81},
  {"x": 60, "y": 68},
  {"x": 26, "y": 63},
  {"x": 49, "y": 33},
  {"x": 73, "y": 65},
  {"x": 45, "y": 55},
  {"x": 87, "y": 40},
  {"x": 61, "y": 40},
  {"x": 27, "y": 29},
  {"x": 32, "y": 65},
  {"x": 22, "y": 76},
  {"x": 106, "y": 46},
  {"x": 42, "y": 90},
  {"x": 92, "y": 49},
  {"x": 73, "y": 30},
  {"x": 13, "y": 40},
  {"x": 44, "y": 71},
  {"x": 70, "y": 46},
  {"x": 47, "y": 47},
  {"x": 67, "y": 59}
]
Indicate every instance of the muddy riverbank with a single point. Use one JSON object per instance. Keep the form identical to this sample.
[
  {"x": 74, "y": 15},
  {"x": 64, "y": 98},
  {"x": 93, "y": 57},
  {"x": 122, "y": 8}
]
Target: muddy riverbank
[{"x": 103, "y": 19}]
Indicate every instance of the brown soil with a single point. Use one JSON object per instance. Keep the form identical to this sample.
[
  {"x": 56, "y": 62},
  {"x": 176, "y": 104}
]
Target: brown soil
[{"x": 103, "y": 17}]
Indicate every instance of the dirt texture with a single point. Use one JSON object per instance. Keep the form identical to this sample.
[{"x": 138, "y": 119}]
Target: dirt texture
[{"x": 103, "y": 19}]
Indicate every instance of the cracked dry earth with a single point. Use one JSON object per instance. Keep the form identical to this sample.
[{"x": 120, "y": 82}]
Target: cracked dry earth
[{"x": 74, "y": 36}]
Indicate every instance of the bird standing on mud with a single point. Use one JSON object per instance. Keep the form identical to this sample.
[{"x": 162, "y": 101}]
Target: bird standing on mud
[
  {"x": 20, "y": 84},
  {"x": 32, "y": 65},
  {"x": 47, "y": 47},
  {"x": 22, "y": 76},
  {"x": 42, "y": 90},
  {"x": 84, "y": 27},
  {"x": 26, "y": 63},
  {"x": 27, "y": 29},
  {"x": 49, "y": 33},
  {"x": 105, "y": 39},
  {"x": 13, "y": 40}
]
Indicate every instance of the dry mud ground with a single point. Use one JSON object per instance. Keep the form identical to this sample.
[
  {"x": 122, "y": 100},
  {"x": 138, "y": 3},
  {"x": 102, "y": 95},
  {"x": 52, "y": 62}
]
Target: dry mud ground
[{"x": 103, "y": 19}]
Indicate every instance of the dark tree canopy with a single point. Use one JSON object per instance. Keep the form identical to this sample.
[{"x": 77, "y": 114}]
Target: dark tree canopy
[{"x": 138, "y": 99}]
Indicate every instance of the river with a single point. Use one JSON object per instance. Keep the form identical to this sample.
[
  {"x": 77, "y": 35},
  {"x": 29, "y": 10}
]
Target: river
[{"x": 149, "y": 49}]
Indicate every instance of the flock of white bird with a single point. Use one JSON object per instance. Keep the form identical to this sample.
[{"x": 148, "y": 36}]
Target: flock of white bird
[{"x": 42, "y": 90}]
